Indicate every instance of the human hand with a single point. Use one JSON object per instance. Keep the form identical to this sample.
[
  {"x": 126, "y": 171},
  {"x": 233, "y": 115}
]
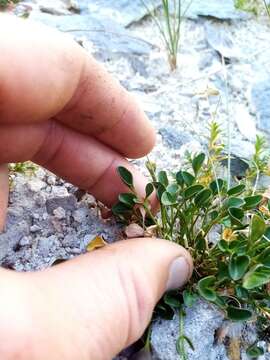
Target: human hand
[{"x": 61, "y": 109}]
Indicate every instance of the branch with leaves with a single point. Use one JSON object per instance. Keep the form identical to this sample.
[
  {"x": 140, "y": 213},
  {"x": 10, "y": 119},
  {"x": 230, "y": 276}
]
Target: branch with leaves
[{"x": 233, "y": 271}]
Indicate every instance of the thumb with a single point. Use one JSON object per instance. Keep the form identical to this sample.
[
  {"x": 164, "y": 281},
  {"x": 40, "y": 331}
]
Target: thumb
[
  {"x": 4, "y": 190},
  {"x": 102, "y": 302}
]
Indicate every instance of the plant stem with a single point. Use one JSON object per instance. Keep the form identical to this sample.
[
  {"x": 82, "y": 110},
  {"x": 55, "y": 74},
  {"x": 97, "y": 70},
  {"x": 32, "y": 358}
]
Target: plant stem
[{"x": 182, "y": 350}]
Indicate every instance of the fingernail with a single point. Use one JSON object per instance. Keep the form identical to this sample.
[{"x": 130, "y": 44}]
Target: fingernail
[{"x": 179, "y": 273}]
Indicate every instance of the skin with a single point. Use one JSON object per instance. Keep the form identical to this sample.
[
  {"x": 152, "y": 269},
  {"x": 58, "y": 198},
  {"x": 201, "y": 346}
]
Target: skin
[{"x": 62, "y": 110}]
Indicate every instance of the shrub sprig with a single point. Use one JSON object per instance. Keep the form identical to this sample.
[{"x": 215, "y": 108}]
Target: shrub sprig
[{"x": 233, "y": 271}]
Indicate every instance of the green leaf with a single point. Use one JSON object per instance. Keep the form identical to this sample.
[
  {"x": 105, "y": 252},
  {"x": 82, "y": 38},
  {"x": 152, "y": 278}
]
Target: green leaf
[
  {"x": 172, "y": 189},
  {"x": 149, "y": 189},
  {"x": 236, "y": 215},
  {"x": 256, "y": 277},
  {"x": 128, "y": 199},
  {"x": 223, "y": 246},
  {"x": 179, "y": 178},
  {"x": 258, "y": 228},
  {"x": 223, "y": 272},
  {"x": 264, "y": 257},
  {"x": 238, "y": 266},
  {"x": 203, "y": 197},
  {"x": 234, "y": 202},
  {"x": 160, "y": 190},
  {"x": 213, "y": 215},
  {"x": 163, "y": 178},
  {"x": 189, "y": 342},
  {"x": 126, "y": 176},
  {"x": 237, "y": 314},
  {"x": 220, "y": 302},
  {"x": 192, "y": 190},
  {"x": 241, "y": 292},
  {"x": 198, "y": 162},
  {"x": 267, "y": 233},
  {"x": 120, "y": 209},
  {"x": 200, "y": 242},
  {"x": 217, "y": 186},
  {"x": 173, "y": 300},
  {"x": 168, "y": 199},
  {"x": 252, "y": 202},
  {"x": 254, "y": 351},
  {"x": 188, "y": 178},
  {"x": 236, "y": 190},
  {"x": 206, "y": 288},
  {"x": 189, "y": 298}
]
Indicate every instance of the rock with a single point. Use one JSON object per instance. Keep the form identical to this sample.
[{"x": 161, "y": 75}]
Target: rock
[
  {"x": 35, "y": 184},
  {"x": 53, "y": 7},
  {"x": 138, "y": 66},
  {"x": 173, "y": 138},
  {"x": 201, "y": 322},
  {"x": 220, "y": 40},
  {"x": 59, "y": 213},
  {"x": 51, "y": 180},
  {"x": 45, "y": 244},
  {"x": 35, "y": 228},
  {"x": 80, "y": 214},
  {"x": 222, "y": 10},
  {"x": 125, "y": 12},
  {"x": 245, "y": 122},
  {"x": 25, "y": 240},
  {"x": 65, "y": 202},
  {"x": 242, "y": 148},
  {"x": 108, "y": 37},
  {"x": 260, "y": 98}
]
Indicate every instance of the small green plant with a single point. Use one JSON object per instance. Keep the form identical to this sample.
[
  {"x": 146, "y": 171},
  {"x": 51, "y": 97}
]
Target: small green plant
[
  {"x": 232, "y": 270},
  {"x": 27, "y": 168},
  {"x": 5, "y": 3},
  {"x": 254, "y": 6},
  {"x": 169, "y": 26}
]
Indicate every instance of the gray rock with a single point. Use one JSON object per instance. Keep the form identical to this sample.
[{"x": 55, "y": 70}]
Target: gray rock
[
  {"x": 65, "y": 202},
  {"x": 25, "y": 240},
  {"x": 35, "y": 228},
  {"x": 201, "y": 322},
  {"x": 245, "y": 122},
  {"x": 46, "y": 244},
  {"x": 53, "y": 7},
  {"x": 220, "y": 40},
  {"x": 125, "y": 12},
  {"x": 174, "y": 138},
  {"x": 35, "y": 184},
  {"x": 59, "y": 213},
  {"x": 260, "y": 97},
  {"x": 81, "y": 214},
  {"x": 222, "y": 10},
  {"x": 108, "y": 37}
]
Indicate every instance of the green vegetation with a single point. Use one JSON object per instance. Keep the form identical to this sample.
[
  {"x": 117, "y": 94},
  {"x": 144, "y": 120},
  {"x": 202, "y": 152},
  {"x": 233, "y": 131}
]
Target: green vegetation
[
  {"x": 225, "y": 228},
  {"x": 254, "y": 6},
  {"x": 5, "y": 3},
  {"x": 169, "y": 26},
  {"x": 27, "y": 168}
]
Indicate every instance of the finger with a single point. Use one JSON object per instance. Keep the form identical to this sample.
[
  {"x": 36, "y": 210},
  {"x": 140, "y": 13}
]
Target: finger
[
  {"x": 75, "y": 157},
  {"x": 102, "y": 302},
  {"x": 4, "y": 190},
  {"x": 45, "y": 74}
]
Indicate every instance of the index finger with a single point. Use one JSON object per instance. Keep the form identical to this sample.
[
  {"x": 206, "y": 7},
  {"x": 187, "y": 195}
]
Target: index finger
[{"x": 45, "y": 74}]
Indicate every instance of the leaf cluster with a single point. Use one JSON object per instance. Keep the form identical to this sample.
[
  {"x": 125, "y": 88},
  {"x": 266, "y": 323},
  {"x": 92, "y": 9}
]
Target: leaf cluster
[{"x": 233, "y": 270}]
